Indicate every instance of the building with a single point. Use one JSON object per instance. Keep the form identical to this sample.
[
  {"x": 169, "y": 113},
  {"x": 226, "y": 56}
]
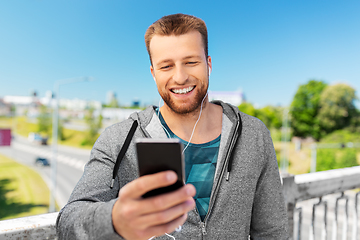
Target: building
[
  {"x": 24, "y": 105},
  {"x": 233, "y": 97},
  {"x": 30, "y": 105},
  {"x": 5, "y": 108}
]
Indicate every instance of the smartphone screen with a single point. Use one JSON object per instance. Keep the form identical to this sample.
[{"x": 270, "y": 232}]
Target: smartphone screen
[{"x": 156, "y": 155}]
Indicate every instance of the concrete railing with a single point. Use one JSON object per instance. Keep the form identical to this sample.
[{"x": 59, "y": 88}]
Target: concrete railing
[
  {"x": 34, "y": 227},
  {"x": 297, "y": 189},
  {"x": 317, "y": 186}
]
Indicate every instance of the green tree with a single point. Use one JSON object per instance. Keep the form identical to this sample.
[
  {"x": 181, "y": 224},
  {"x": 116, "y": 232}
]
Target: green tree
[
  {"x": 271, "y": 116},
  {"x": 94, "y": 125},
  {"x": 304, "y": 109},
  {"x": 337, "y": 107},
  {"x": 44, "y": 121},
  {"x": 355, "y": 123},
  {"x": 247, "y": 108},
  {"x": 61, "y": 135},
  {"x": 341, "y": 136}
]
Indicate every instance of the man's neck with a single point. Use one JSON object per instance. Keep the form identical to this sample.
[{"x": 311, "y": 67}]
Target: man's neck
[{"x": 182, "y": 125}]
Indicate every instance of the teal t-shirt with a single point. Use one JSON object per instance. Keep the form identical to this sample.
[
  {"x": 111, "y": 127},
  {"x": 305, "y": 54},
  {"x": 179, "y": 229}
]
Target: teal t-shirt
[{"x": 200, "y": 166}]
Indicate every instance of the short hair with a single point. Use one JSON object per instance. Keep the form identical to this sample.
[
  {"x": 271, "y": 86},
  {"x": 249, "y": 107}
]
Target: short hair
[{"x": 176, "y": 24}]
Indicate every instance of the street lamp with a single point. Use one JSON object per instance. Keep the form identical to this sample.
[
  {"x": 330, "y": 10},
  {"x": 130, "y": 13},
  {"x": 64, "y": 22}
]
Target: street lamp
[
  {"x": 284, "y": 162},
  {"x": 57, "y": 85}
]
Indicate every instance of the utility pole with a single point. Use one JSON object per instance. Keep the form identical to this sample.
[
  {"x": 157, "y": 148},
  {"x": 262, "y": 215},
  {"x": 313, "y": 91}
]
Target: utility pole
[
  {"x": 57, "y": 85},
  {"x": 284, "y": 164}
]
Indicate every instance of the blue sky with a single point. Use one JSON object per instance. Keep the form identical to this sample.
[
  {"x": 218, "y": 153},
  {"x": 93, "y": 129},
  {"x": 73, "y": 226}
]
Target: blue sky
[{"x": 266, "y": 48}]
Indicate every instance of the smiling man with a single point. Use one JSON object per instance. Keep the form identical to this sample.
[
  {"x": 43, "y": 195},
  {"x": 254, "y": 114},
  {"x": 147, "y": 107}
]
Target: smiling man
[
  {"x": 233, "y": 188},
  {"x": 181, "y": 70}
]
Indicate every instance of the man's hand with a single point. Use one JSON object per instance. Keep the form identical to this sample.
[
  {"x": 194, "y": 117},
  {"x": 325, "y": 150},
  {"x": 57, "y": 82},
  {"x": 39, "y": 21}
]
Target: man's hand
[{"x": 134, "y": 217}]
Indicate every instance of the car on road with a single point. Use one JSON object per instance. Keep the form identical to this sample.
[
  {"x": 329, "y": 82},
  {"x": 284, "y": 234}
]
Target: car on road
[
  {"x": 37, "y": 138},
  {"x": 42, "y": 162}
]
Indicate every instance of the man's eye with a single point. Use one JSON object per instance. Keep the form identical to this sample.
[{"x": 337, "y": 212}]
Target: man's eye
[
  {"x": 165, "y": 67},
  {"x": 192, "y": 63}
]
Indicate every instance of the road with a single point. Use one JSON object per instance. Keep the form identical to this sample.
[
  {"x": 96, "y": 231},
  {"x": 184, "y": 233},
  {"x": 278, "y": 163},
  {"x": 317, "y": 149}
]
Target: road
[{"x": 71, "y": 162}]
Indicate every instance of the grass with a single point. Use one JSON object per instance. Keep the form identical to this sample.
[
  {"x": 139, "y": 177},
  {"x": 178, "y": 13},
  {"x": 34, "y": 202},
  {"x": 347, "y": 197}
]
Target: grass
[
  {"x": 22, "y": 191},
  {"x": 5, "y": 122},
  {"x": 23, "y": 127},
  {"x": 299, "y": 161},
  {"x": 74, "y": 138}
]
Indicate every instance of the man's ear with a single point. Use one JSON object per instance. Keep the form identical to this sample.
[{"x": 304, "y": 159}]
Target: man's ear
[
  {"x": 209, "y": 64},
  {"x": 152, "y": 72}
]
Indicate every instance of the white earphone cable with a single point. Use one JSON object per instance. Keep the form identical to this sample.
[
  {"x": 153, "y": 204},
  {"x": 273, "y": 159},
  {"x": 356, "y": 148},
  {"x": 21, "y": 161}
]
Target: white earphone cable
[
  {"x": 168, "y": 134},
  {"x": 192, "y": 134}
]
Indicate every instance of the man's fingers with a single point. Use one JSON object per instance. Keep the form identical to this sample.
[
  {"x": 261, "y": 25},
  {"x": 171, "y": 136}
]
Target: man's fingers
[
  {"x": 144, "y": 184},
  {"x": 168, "y": 200},
  {"x": 166, "y": 216},
  {"x": 168, "y": 227},
  {"x": 160, "y": 209},
  {"x": 154, "y": 215}
]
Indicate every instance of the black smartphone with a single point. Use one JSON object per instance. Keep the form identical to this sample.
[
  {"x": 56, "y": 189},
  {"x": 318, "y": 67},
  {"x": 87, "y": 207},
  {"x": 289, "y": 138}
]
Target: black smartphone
[{"x": 157, "y": 155}]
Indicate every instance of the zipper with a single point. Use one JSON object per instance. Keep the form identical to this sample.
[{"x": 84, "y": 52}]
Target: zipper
[
  {"x": 202, "y": 224},
  {"x": 203, "y": 228},
  {"x": 232, "y": 144}
]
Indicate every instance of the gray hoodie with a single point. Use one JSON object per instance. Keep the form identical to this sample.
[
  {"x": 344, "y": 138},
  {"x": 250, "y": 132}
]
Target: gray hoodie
[{"x": 246, "y": 198}]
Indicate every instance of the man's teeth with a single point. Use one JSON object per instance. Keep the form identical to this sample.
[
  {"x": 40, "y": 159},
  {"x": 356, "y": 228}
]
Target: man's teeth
[{"x": 183, "y": 91}]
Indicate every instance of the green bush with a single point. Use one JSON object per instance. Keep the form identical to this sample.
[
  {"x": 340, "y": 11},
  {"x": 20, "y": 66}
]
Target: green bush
[
  {"x": 341, "y": 136},
  {"x": 276, "y": 134},
  {"x": 346, "y": 158},
  {"x": 325, "y": 159},
  {"x": 328, "y": 159}
]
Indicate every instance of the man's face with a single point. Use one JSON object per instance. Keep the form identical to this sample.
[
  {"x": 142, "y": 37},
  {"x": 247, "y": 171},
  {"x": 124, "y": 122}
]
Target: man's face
[{"x": 181, "y": 70}]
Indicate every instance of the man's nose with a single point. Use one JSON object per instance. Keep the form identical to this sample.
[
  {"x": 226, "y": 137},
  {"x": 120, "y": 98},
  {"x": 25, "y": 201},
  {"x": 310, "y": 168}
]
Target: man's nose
[{"x": 180, "y": 75}]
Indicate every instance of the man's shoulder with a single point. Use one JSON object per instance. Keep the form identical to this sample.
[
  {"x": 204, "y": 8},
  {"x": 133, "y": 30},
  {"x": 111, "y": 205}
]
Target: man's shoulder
[{"x": 251, "y": 121}]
